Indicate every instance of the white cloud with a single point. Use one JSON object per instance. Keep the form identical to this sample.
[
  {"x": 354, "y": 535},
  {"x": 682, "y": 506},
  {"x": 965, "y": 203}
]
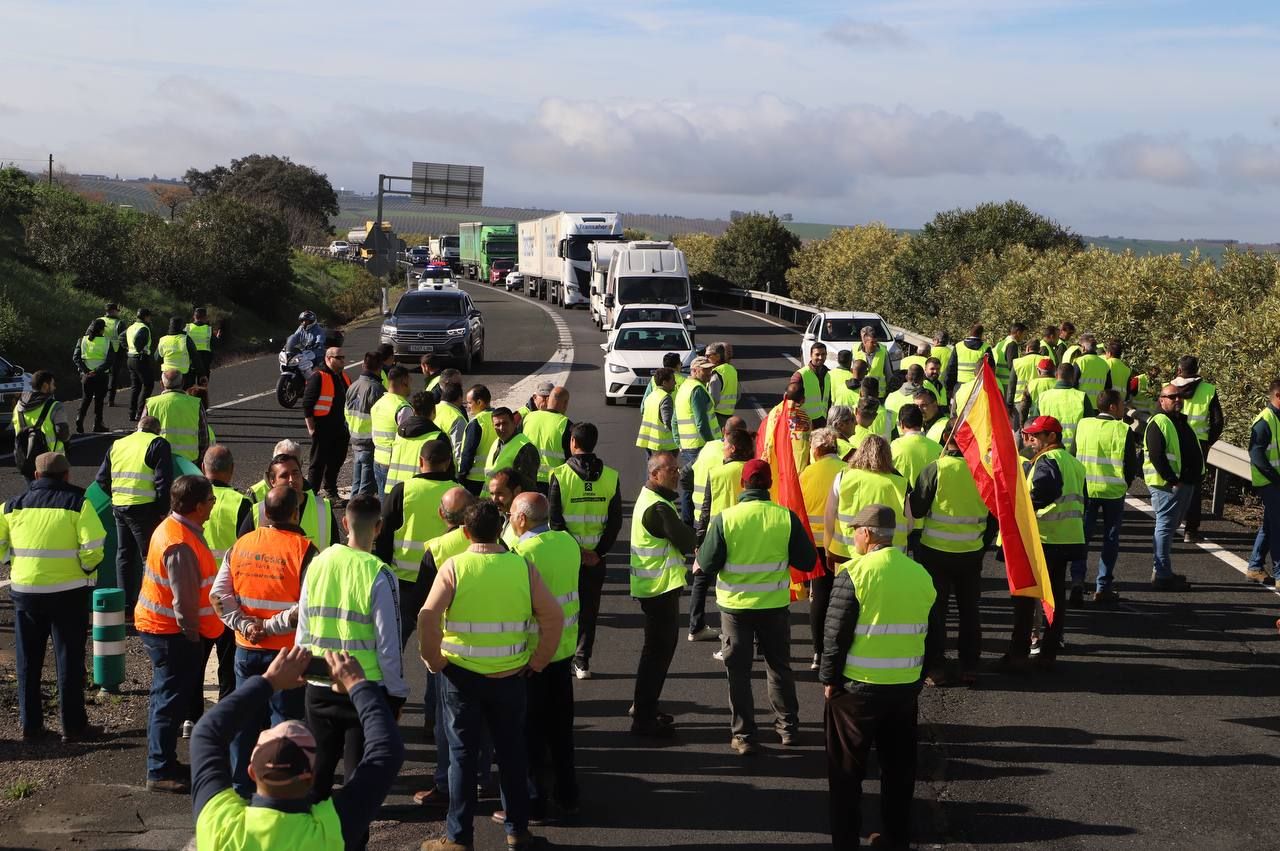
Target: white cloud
[
  {"x": 1245, "y": 164},
  {"x": 1139, "y": 156},
  {"x": 851, "y": 33}
]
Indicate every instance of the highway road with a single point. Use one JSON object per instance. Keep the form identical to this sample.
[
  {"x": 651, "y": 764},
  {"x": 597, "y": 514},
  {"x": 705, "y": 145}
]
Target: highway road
[{"x": 1158, "y": 731}]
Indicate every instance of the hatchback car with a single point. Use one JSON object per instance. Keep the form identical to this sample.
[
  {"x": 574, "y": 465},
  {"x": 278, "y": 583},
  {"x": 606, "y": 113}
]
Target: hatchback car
[{"x": 635, "y": 351}]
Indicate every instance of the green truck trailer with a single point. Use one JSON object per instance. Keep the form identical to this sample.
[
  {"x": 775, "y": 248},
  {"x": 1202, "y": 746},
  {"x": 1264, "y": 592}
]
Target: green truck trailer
[{"x": 479, "y": 245}]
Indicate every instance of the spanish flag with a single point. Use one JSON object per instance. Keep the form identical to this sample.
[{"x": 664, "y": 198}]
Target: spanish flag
[
  {"x": 985, "y": 436},
  {"x": 786, "y": 489}
]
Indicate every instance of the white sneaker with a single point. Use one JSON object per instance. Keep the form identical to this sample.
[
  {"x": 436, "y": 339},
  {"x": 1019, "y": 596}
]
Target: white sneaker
[
  {"x": 704, "y": 634},
  {"x": 187, "y": 727},
  {"x": 718, "y": 655},
  {"x": 816, "y": 663},
  {"x": 582, "y": 672}
]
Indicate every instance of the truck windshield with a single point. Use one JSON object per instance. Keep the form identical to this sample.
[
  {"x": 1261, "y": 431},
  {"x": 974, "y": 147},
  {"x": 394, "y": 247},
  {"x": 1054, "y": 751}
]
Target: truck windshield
[
  {"x": 429, "y": 306},
  {"x": 642, "y": 289},
  {"x": 502, "y": 245},
  {"x": 578, "y": 247},
  {"x": 448, "y": 242}
]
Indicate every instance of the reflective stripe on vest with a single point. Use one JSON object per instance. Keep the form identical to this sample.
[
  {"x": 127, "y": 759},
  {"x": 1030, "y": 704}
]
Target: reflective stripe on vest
[
  {"x": 957, "y": 519},
  {"x": 52, "y": 549},
  {"x": 817, "y": 394},
  {"x": 1062, "y": 522},
  {"x": 728, "y": 389},
  {"x": 815, "y": 484},
  {"x": 201, "y": 335},
  {"x": 687, "y": 434},
  {"x": 487, "y": 438},
  {"x": 1273, "y": 447},
  {"x": 179, "y": 416},
  {"x": 405, "y": 455},
  {"x": 653, "y": 435},
  {"x": 895, "y": 595},
  {"x": 154, "y": 613},
  {"x": 1094, "y": 372},
  {"x": 422, "y": 522},
  {"x": 172, "y": 349},
  {"x": 1196, "y": 409},
  {"x": 585, "y": 504},
  {"x": 266, "y": 577},
  {"x": 383, "y": 418},
  {"x": 858, "y": 489},
  {"x": 877, "y": 366},
  {"x": 132, "y": 481},
  {"x": 545, "y": 430},
  {"x": 967, "y": 361},
  {"x": 558, "y": 560},
  {"x": 131, "y": 339},
  {"x": 656, "y": 565},
  {"x": 486, "y": 627},
  {"x": 339, "y": 591},
  {"x": 324, "y": 402},
  {"x": 1100, "y": 448},
  {"x": 757, "y": 535},
  {"x": 220, "y": 528},
  {"x": 1066, "y": 405},
  {"x": 502, "y": 456},
  {"x": 94, "y": 352}
]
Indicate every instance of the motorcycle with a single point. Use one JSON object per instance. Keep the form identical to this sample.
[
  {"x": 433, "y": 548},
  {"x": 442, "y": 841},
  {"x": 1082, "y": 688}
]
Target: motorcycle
[{"x": 295, "y": 369}]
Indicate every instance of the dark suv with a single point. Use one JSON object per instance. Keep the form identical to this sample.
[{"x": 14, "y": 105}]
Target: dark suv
[{"x": 436, "y": 321}]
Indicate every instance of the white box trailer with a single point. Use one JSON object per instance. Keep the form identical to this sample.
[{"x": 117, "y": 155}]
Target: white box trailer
[{"x": 555, "y": 254}]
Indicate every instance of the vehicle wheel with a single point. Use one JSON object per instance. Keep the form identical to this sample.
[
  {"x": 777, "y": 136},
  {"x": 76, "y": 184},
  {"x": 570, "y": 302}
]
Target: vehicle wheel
[
  {"x": 610, "y": 400},
  {"x": 286, "y": 393},
  {"x": 468, "y": 362},
  {"x": 480, "y": 354}
]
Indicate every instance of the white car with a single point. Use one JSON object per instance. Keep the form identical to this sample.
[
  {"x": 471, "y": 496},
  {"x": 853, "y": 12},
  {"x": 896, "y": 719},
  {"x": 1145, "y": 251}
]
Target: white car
[
  {"x": 339, "y": 248},
  {"x": 840, "y": 330},
  {"x": 635, "y": 351},
  {"x": 515, "y": 281}
]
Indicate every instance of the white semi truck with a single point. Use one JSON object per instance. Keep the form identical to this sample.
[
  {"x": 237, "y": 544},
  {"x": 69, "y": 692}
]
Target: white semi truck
[
  {"x": 445, "y": 247},
  {"x": 638, "y": 273},
  {"x": 555, "y": 254}
]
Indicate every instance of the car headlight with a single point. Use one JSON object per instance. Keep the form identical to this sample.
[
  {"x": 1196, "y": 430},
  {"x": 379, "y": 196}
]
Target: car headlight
[
  {"x": 618, "y": 368},
  {"x": 388, "y": 330},
  {"x": 456, "y": 332}
]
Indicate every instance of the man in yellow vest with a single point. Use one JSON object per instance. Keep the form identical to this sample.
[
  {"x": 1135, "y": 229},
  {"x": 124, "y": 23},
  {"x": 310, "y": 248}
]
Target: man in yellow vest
[
  {"x": 912, "y": 451},
  {"x": 478, "y": 438},
  {"x": 1121, "y": 372},
  {"x": 656, "y": 413},
  {"x": 316, "y": 517},
  {"x": 536, "y": 402},
  {"x": 724, "y": 383},
  {"x": 348, "y": 602},
  {"x": 136, "y": 473},
  {"x": 1093, "y": 370},
  {"x": 476, "y": 630},
  {"x": 1108, "y": 449},
  {"x": 181, "y": 416},
  {"x": 431, "y": 368},
  {"x": 52, "y": 540},
  {"x": 141, "y": 362},
  {"x": 1065, "y": 403},
  {"x": 933, "y": 380},
  {"x": 1057, "y": 483},
  {"x": 548, "y": 431},
  {"x": 967, "y": 360},
  {"x": 671, "y": 361},
  {"x": 512, "y": 450},
  {"x": 1264, "y": 462},
  {"x": 844, "y": 386},
  {"x": 1066, "y": 350},
  {"x": 450, "y": 416},
  {"x": 503, "y": 488},
  {"x": 956, "y": 530},
  {"x": 871, "y": 679},
  {"x": 1203, "y": 411},
  {"x": 416, "y": 429},
  {"x": 815, "y": 379},
  {"x": 386, "y": 416},
  {"x": 696, "y": 424},
  {"x": 934, "y": 417},
  {"x": 942, "y": 350},
  {"x": 359, "y": 399},
  {"x": 113, "y": 330},
  {"x": 324, "y": 410},
  {"x": 586, "y": 501},
  {"x": 1048, "y": 346},
  {"x": 176, "y": 351},
  {"x": 904, "y": 396},
  {"x": 815, "y": 482},
  {"x": 724, "y": 480},
  {"x": 1004, "y": 354},
  {"x": 92, "y": 357},
  {"x": 1173, "y": 464},
  {"x": 1144, "y": 392},
  {"x": 201, "y": 334},
  {"x": 258, "y": 490},
  {"x": 876, "y": 356},
  {"x": 39, "y": 409},
  {"x": 660, "y": 540},
  {"x": 746, "y": 552},
  {"x": 1025, "y": 368}
]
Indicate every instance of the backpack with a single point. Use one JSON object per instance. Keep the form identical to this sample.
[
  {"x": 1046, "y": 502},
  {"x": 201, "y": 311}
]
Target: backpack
[{"x": 30, "y": 442}]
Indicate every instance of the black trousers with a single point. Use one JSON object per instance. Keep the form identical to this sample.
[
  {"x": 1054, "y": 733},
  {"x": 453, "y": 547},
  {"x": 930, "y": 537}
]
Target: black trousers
[
  {"x": 203, "y": 364},
  {"x": 549, "y": 735},
  {"x": 590, "y": 587},
  {"x": 959, "y": 574},
  {"x": 819, "y": 599},
  {"x": 225, "y": 646},
  {"x": 134, "y": 526},
  {"x": 661, "y": 635},
  {"x": 119, "y": 377},
  {"x": 64, "y": 617},
  {"x": 1196, "y": 508},
  {"x": 473, "y": 487},
  {"x": 93, "y": 389},
  {"x": 328, "y": 453},
  {"x": 1057, "y": 559},
  {"x": 336, "y": 726},
  {"x": 412, "y": 596},
  {"x": 142, "y": 380},
  {"x": 853, "y": 722},
  {"x": 698, "y": 601}
]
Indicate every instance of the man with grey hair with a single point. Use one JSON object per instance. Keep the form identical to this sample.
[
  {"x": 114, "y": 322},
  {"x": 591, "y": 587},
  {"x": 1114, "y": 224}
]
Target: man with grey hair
[
  {"x": 723, "y": 385},
  {"x": 841, "y": 420},
  {"x": 181, "y": 416},
  {"x": 136, "y": 473},
  {"x": 288, "y": 446}
]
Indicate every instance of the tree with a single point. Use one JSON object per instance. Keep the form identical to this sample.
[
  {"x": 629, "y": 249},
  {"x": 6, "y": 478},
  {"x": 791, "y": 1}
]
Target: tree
[
  {"x": 170, "y": 196},
  {"x": 634, "y": 235},
  {"x": 756, "y": 252},
  {"x": 852, "y": 269},
  {"x": 68, "y": 234},
  {"x": 298, "y": 194},
  {"x": 240, "y": 252},
  {"x": 700, "y": 257}
]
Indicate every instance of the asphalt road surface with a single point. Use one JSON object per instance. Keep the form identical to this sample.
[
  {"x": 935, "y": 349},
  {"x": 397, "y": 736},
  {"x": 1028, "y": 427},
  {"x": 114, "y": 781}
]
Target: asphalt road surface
[{"x": 1158, "y": 731}]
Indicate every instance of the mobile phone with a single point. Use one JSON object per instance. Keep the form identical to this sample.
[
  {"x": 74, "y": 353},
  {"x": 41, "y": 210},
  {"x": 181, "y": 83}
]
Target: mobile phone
[{"x": 318, "y": 668}]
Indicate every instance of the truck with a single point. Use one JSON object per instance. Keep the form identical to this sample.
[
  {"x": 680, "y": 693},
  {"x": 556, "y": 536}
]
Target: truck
[
  {"x": 445, "y": 248},
  {"x": 555, "y": 254},
  {"x": 639, "y": 272},
  {"x": 480, "y": 244}
]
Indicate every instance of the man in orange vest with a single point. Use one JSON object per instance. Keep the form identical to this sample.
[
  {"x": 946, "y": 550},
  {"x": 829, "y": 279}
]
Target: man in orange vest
[
  {"x": 172, "y": 616},
  {"x": 256, "y": 595},
  {"x": 324, "y": 404}
]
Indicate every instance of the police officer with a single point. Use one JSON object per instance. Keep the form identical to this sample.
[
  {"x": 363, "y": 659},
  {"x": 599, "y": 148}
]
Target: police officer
[
  {"x": 586, "y": 501},
  {"x": 747, "y": 551},
  {"x": 324, "y": 409},
  {"x": 176, "y": 351},
  {"x": 656, "y": 412},
  {"x": 361, "y": 396},
  {"x": 723, "y": 385},
  {"x": 696, "y": 424},
  {"x": 315, "y": 513},
  {"x": 181, "y": 417},
  {"x": 416, "y": 429},
  {"x": 871, "y": 679},
  {"x": 92, "y": 358},
  {"x": 478, "y": 439},
  {"x": 1108, "y": 449},
  {"x": 52, "y": 540},
  {"x": 548, "y": 431},
  {"x": 201, "y": 335},
  {"x": 141, "y": 363}
]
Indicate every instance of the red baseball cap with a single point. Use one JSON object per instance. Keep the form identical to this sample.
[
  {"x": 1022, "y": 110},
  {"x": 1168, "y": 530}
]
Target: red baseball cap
[
  {"x": 1045, "y": 363},
  {"x": 1042, "y": 424},
  {"x": 754, "y": 468}
]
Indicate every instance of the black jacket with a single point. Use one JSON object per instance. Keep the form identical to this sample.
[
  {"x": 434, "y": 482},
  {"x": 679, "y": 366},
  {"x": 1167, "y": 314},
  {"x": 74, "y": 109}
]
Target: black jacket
[
  {"x": 590, "y": 468},
  {"x": 1189, "y": 448}
]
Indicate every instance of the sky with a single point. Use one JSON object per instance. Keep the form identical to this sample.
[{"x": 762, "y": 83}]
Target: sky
[{"x": 1138, "y": 118}]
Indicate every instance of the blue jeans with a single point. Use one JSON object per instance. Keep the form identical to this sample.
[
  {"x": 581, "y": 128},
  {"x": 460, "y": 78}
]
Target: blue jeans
[
  {"x": 284, "y": 706},
  {"x": 380, "y": 478},
  {"x": 1170, "y": 505},
  {"x": 484, "y": 762},
  {"x": 1112, "y": 511},
  {"x": 175, "y": 674},
  {"x": 473, "y": 702},
  {"x": 685, "y": 502},
  {"x": 64, "y": 615},
  {"x": 1268, "y": 538},
  {"x": 362, "y": 478}
]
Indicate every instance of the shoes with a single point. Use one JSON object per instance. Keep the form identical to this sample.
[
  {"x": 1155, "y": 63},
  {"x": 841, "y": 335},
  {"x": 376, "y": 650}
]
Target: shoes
[
  {"x": 789, "y": 738},
  {"x": 187, "y": 727},
  {"x": 444, "y": 843},
  {"x": 500, "y": 817},
  {"x": 1013, "y": 666},
  {"x": 433, "y": 797},
  {"x": 744, "y": 747},
  {"x": 170, "y": 785},
  {"x": 718, "y": 655},
  {"x": 1172, "y": 582},
  {"x": 523, "y": 839},
  {"x": 660, "y": 717},
  {"x": 704, "y": 634},
  {"x": 85, "y": 734},
  {"x": 1256, "y": 575},
  {"x": 816, "y": 663},
  {"x": 1106, "y": 596},
  {"x": 1035, "y": 643},
  {"x": 1076, "y": 597},
  {"x": 1192, "y": 538},
  {"x": 39, "y": 734},
  {"x": 581, "y": 671},
  {"x": 937, "y": 678},
  {"x": 654, "y": 729}
]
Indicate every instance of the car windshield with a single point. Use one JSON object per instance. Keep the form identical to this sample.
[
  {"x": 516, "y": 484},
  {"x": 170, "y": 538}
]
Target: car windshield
[
  {"x": 435, "y": 272},
  {"x": 643, "y": 289},
  {"x": 647, "y": 314},
  {"x": 849, "y": 330},
  {"x": 652, "y": 340},
  {"x": 429, "y": 306}
]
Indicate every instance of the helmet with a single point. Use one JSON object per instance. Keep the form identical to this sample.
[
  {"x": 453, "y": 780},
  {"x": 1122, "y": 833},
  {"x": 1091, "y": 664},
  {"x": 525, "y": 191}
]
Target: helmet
[{"x": 306, "y": 316}]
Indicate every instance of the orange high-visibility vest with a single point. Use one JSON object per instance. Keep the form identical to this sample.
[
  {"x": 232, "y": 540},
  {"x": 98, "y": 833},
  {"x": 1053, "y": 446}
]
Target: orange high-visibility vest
[
  {"x": 154, "y": 613},
  {"x": 266, "y": 573},
  {"x": 324, "y": 403}
]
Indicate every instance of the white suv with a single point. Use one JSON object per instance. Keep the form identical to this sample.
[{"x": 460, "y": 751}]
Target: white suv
[
  {"x": 339, "y": 248},
  {"x": 840, "y": 330}
]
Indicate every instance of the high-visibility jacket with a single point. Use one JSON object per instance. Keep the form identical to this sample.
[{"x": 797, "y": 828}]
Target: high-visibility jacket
[
  {"x": 841, "y": 393},
  {"x": 558, "y": 560},
  {"x": 266, "y": 577},
  {"x": 1094, "y": 371},
  {"x": 911, "y": 454},
  {"x": 230, "y": 823},
  {"x": 132, "y": 481},
  {"x": 913, "y": 360},
  {"x": 877, "y": 365},
  {"x": 452, "y": 422},
  {"x": 757, "y": 535},
  {"x": 422, "y": 522},
  {"x": 687, "y": 434},
  {"x": 936, "y": 428},
  {"x": 328, "y": 389},
  {"x": 154, "y": 613},
  {"x": 1273, "y": 447},
  {"x": 383, "y": 419},
  {"x": 339, "y": 592},
  {"x": 968, "y": 362},
  {"x": 172, "y": 349},
  {"x": 545, "y": 430},
  {"x": 1071, "y": 352},
  {"x": 1100, "y": 448},
  {"x": 1172, "y": 452},
  {"x": 728, "y": 389},
  {"x": 94, "y": 352},
  {"x": 131, "y": 339},
  {"x": 1121, "y": 372},
  {"x": 709, "y": 457},
  {"x": 22, "y": 419},
  {"x": 446, "y": 546},
  {"x": 316, "y": 518},
  {"x": 1196, "y": 409},
  {"x": 1039, "y": 384},
  {"x": 487, "y": 438},
  {"x": 657, "y": 566},
  {"x": 1026, "y": 369},
  {"x": 957, "y": 519},
  {"x": 503, "y": 455},
  {"x": 406, "y": 453},
  {"x": 1050, "y": 351},
  {"x": 817, "y": 393},
  {"x": 201, "y": 335},
  {"x": 895, "y": 595},
  {"x": 858, "y": 489},
  {"x": 893, "y": 403},
  {"x": 220, "y": 528},
  {"x": 725, "y": 483},
  {"x": 653, "y": 435},
  {"x": 1000, "y": 351},
  {"x": 1066, "y": 405},
  {"x": 179, "y": 416},
  {"x": 111, "y": 331},
  {"x": 432, "y": 382},
  {"x": 1063, "y": 521},
  {"x": 943, "y": 354},
  {"x": 585, "y": 504},
  {"x": 1144, "y": 398},
  {"x": 486, "y": 627},
  {"x": 52, "y": 539},
  {"x": 815, "y": 484}
]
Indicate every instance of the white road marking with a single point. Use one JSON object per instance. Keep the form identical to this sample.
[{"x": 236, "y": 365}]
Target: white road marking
[{"x": 795, "y": 360}]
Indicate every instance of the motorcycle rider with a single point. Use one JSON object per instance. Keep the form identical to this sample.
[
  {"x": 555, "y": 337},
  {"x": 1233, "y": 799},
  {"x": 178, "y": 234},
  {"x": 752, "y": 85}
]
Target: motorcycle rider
[{"x": 309, "y": 337}]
